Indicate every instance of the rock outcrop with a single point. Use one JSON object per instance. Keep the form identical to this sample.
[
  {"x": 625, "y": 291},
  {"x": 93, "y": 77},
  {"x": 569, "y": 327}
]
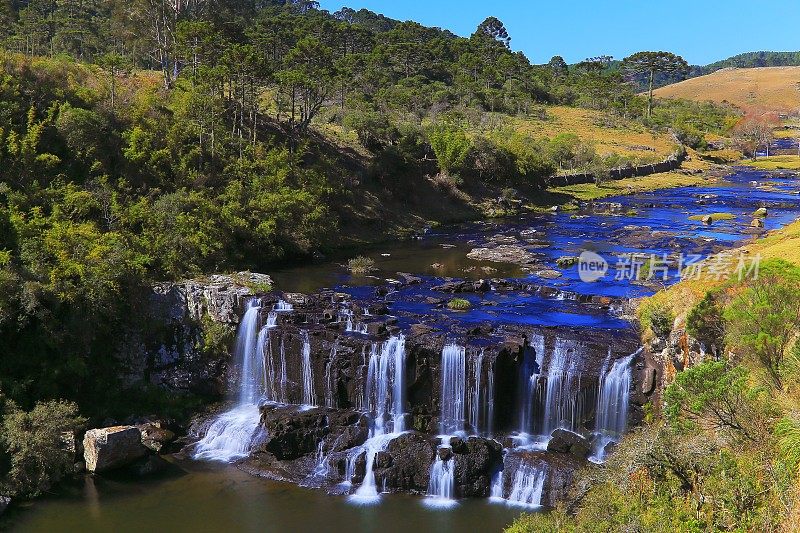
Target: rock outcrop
[
  {"x": 165, "y": 344},
  {"x": 113, "y": 447}
]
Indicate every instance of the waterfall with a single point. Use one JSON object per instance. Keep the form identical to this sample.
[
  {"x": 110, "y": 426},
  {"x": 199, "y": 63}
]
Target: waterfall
[
  {"x": 527, "y": 486},
  {"x": 490, "y": 397},
  {"x": 321, "y": 468},
  {"x": 384, "y": 397},
  {"x": 233, "y": 433},
  {"x": 283, "y": 306},
  {"x": 496, "y": 493},
  {"x": 441, "y": 487},
  {"x": 264, "y": 356},
  {"x": 330, "y": 384},
  {"x": 611, "y": 418},
  {"x": 532, "y": 378},
  {"x": 367, "y": 493},
  {"x": 283, "y": 379},
  {"x": 475, "y": 398},
  {"x": 385, "y": 388},
  {"x": 272, "y": 320},
  {"x": 563, "y": 407},
  {"x": 453, "y": 389},
  {"x": 308, "y": 376}
]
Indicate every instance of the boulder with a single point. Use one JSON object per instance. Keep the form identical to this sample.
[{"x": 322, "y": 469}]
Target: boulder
[
  {"x": 476, "y": 461},
  {"x": 757, "y": 223},
  {"x": 708, "y": 220},
  {"x": 113, "y": 447},
  {"x": 412, "y": 455},
  {"x": 760, "y": 212},
  {"x": 565, "y": 441},
  {"x": 156, "y": 437}
]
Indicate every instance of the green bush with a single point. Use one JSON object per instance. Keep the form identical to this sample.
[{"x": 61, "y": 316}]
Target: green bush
[
  {"x": 361, "y": 265},
  {"x": 33, "y": 444},
  {"x": 705, "y": 322},
  {"x": 459, "y": 304}
]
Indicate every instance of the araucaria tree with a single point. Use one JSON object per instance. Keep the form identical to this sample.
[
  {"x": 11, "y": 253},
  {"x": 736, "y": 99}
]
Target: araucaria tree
[{"x": 652, "y": 62}]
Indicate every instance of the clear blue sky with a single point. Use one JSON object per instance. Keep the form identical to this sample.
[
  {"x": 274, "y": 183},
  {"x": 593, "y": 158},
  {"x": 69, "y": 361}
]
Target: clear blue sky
[{"x": 702, "y": 31}]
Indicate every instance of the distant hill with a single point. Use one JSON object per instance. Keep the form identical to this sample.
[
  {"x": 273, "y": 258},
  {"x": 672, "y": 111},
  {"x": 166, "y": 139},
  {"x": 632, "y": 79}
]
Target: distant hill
[
  {"x": 762, "y": 89},
  {"x": 754, "y": 60}
]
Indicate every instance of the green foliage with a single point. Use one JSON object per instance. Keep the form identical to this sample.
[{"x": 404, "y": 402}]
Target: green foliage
[
  {"x": 459, "y": 304},
  {"x": 705, "y": 321},
  {"x": 712, "y": 395},
  {"x": 763, "y": 319},
  {"x": 33, "y": 442},
  {"x": 660, "y": 320},
  {"x": 451, "y": 147}
]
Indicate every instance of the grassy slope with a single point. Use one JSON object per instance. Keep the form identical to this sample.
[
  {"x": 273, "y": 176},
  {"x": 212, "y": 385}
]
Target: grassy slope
[
  {"x": 609, "y": 135},
  {"x": 779, "y": 244},
  {"x": 380, "y": 211},
  {"x": 776, "y": 162},
  {"x": 765, "y": 89}
]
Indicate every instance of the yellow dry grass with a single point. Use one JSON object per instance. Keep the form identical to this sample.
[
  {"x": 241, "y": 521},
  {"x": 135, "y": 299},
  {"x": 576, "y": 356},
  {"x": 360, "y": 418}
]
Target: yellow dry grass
[
  {"x": 609, "y": 134},
  {"x": 776, "y": 162},
  {"x": 664, "y": 180},
  {"x": 765, "y": 89}
]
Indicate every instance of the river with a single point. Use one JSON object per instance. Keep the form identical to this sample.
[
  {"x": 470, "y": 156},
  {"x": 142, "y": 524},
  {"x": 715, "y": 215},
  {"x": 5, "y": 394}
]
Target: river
[{"x": 199, "y": 496}]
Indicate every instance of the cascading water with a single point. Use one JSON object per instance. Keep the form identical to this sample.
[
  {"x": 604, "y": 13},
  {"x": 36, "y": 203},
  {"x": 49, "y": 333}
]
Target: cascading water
[
  {"x": 490, "y": 399},
  {"x": 441, "y": 487},
  {"x": 283, "y": 377},
  {"x": 475, "y": 399},
  {"x": 384, "y": 397},
  {"x": 329, "y": 380},
  {"x": 309, "y": 399},
  {"x": 532, "y": 376},
  {"x": 611, "y": 419},
  {"x": 233, "y": 433},
  {"x": 496, "y": 491},
  {"x": 528, "y": 485},
  {"x": 283, "y": 306},
  {"x": 453, "y": 389},
  {"x": 385, "y": 389},
  {"x": 563, "y": 406}
]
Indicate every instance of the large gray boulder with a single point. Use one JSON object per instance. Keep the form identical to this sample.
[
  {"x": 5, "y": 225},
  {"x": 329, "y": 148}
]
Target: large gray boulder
[{"x": 113, "y": 447}]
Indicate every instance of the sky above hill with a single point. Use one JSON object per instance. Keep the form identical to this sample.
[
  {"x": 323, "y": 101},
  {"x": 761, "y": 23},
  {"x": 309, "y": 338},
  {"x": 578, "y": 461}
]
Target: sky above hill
[{"x": 702, "y": 31}]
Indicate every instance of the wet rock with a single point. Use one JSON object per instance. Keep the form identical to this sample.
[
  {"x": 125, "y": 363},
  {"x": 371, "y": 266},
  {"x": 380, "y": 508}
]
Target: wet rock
[
  {"x": 564, "y": 441},
  {"x": 707, "y": 220},
  {"x": 548, "y": 273},
  {"x": 292, "y": 433},
  {"x": 757, "y": 223},
  {"x": 412, "y": 455},
  {"x": 504, "y": 253},
  {"x": 481, "y": 286},
  {"x": 444, "y": 453},
  {"x": 147, "y": 466},
  {"x": 760, "y": 212},
  {"x": 475, "y": 464},
  {"x": 109, "y": 448},
  {"x": 409, "y": 279},
  {"x": 156, "y": 437},
  {"x": 452, "y": 287}
]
